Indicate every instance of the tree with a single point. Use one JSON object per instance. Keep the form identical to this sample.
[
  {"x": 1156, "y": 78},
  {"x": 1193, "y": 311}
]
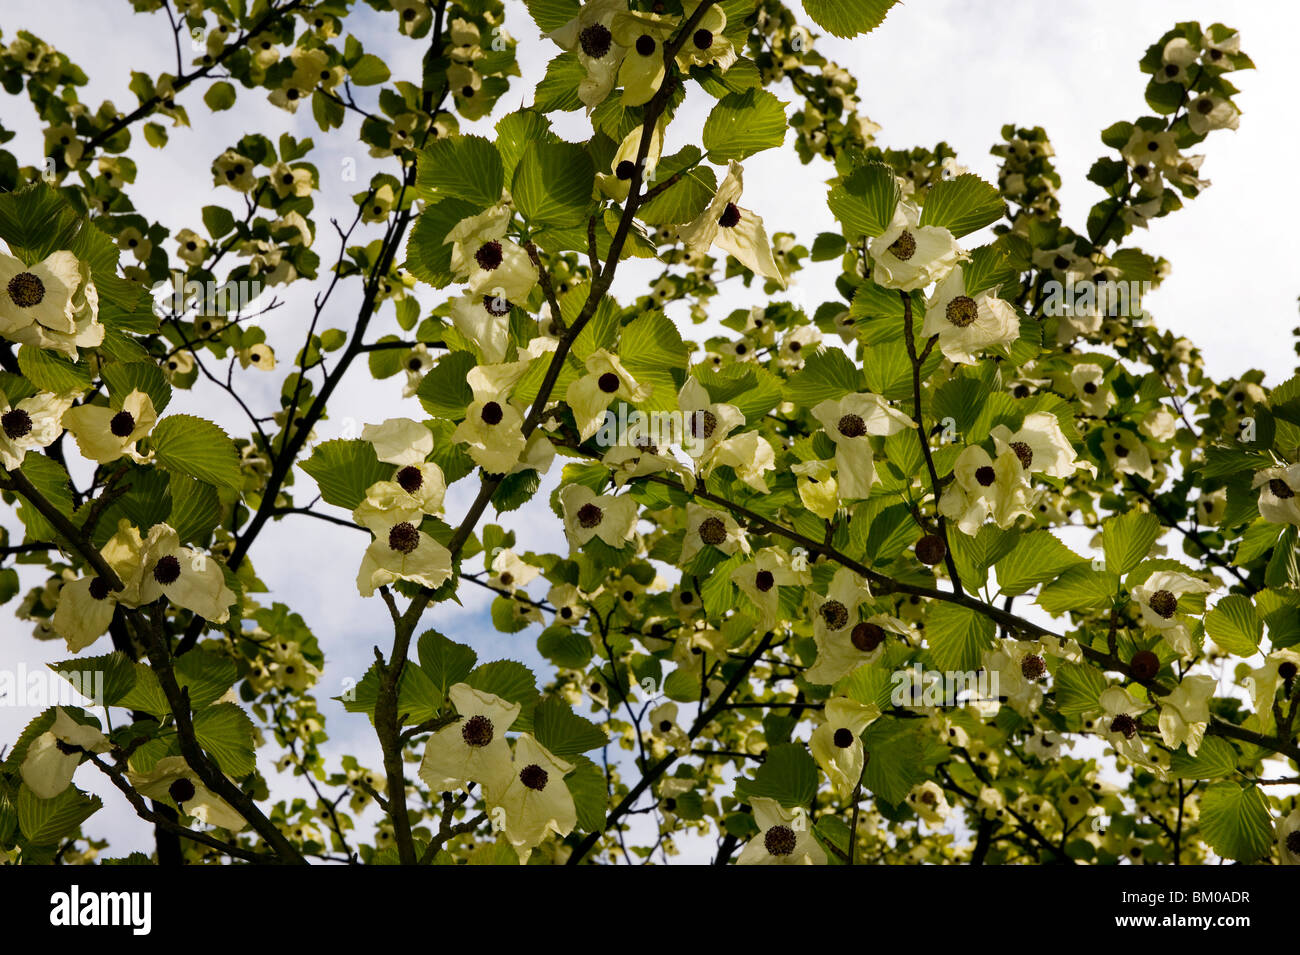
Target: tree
[{"x": 809, "y": 602}]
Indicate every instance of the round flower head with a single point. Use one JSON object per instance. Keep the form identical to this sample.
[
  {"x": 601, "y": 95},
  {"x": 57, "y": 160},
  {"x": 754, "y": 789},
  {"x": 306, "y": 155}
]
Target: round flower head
[
  {"x": 42, "y": 293},
  {"x": 484, "y": 319},
  {"x": 1263, "y": 682},
  {"x": 844, "y": 642},
  {"x": 968, "y": 324},
  {"x": 784, "y": 838},
  {"x": 761, "y": 581},
  {"x": 850, "y": 422},
  {"x": 928, "y": 801},
  {"x": 172, "y": 781},
  {"x": 415, "y": 490},
  {"x": 34, "y": 422},
  {"x": 590, "y": 36},
  {"x": 606, "y": 381},
  {"x": 1288, "y": 839},
  {"x": 493, "y": 429},
  {"x": 706, "y": 526},
  {"x": 818, "y": 489},
  {"x": 985, "y": 489},
  {"x": 536, "y": 800},
  {"x": 910, "y": 256},
  {"x": 642, "y": 35},
  {"x": 706, "y": 423},
  {"x": 104, "y": 435},
  {"x": 1088, "y": 381},
  {"x": 401, "y": 551},
  {"x": 188, "y": 578},
  {"x": 507, "y": 570},
  {"x": 736, "y": 231},
  {"x": 1120, "y": 725},
  {"x": 837, "y": 743},
  {"x": 53, "y": 757},
  {"x": 1020, "y": 669},
  {"x": 1278, "y": 500},
  {"x": 612, "y": 518},
  {"x": 663, "y": 725},
  {"x": 707, "y": 45},
  {"x": 617, "y": 183},
  {"x": 492, "y": 264},
  {"x": 1039, "y": 445},
  {"x": 1185, "y": 713},
  {"x": 473, "y": 749},
  {"x": 1158, "y": 598}
]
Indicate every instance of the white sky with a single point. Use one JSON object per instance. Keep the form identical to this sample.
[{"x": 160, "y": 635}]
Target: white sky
[{"x": 953, "y": 70}]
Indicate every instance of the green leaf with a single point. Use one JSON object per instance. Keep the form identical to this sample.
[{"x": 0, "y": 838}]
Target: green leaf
[
  {"x": 51, "y": 372},
  {"x": 46, "y": 822},
  {"x": 896, "y": 757},
  {"x": 515, "y": 131},
  {"x": 552, "y": 184},
  {"x": 558, "y": 90},
  {"x": 829, "y": 373},
  {"x": 344, "y": 470},
  {"x": 512, "y": 681},
  {"x": 207, "y": 676},
  {"x": 957, "y": 636},
  {"x": 196, "y": 508},
  {"x": 550, "y": 15},
  {"x": 1236, "y": 821},
  {"x": 788, "y": 775},
  {"x": 370, "y": 70},
  {"x": 109, "y": 677},
  {"x": 1079, "y": 588},
  {"x": 428, "y": 254},
  {"x": 53, "y": 482},
  {"x": 226, "y": 733},
  {"x": 36, "y": 221},
  {"x": 1215, "y": 759},
  {"x": 652, "y": 341},
  {"x": 1235, "y": 626},
  {"x": 123, "y": 378},
  {"x": 1037, "y": 557},
  {"x": 962, "y": 205},
  {"x": 146, "y": 694},
  {"x": 846, "y": 18},
  {"x": 461, "y": 167},
  {"x": 444, "y": 661},
  {"x": 588, "y": 787},
  {"x": 444, "y": 392},
  {"x": 865, "y": 201},
  {"x": 1127, "y": 538},
  {"x": 686, "y": 198},
  {"x": 564, "y": 732},
  {"x": 742, "y": 124},
  {"x": 1078, "y": 687},
  {"x": 972, "y": 555},
  {"x": 218, "y": 220},
  {"x": 197, "y": 447},
  {"x": 565, "y": 647},
  {"x": 220, "y": 96}
]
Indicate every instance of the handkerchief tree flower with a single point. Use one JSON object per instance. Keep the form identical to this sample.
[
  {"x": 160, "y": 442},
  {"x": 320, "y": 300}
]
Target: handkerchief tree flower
[{"x": 547, "y": 389}]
